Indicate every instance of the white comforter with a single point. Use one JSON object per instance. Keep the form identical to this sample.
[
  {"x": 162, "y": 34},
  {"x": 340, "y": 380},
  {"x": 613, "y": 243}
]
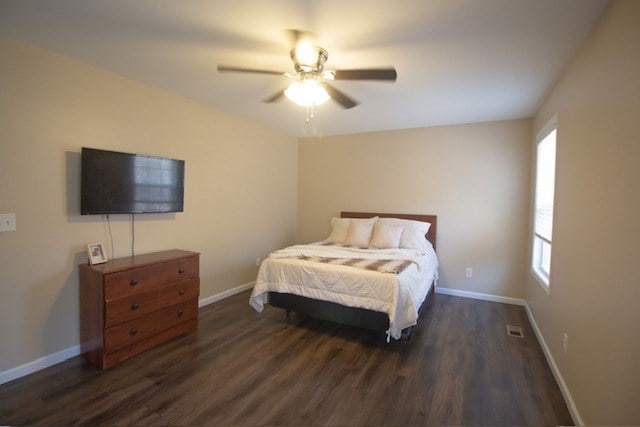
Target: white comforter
[{"x": 398, "y": 295}]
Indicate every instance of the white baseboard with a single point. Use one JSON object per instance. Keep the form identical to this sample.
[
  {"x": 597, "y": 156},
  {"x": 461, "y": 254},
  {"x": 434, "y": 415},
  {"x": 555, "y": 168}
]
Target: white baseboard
[
  {"x": 573, "y": 410},
  {"x": 38, "y": 364},
  {"x": 480, "y": 296},
  {"x": 225, "y": 294},
  {"x": 55, "y": 358}
]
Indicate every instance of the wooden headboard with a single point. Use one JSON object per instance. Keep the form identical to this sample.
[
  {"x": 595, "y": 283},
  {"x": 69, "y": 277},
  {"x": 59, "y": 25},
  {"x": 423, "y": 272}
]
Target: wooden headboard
[{"x": 433, "y": 219}]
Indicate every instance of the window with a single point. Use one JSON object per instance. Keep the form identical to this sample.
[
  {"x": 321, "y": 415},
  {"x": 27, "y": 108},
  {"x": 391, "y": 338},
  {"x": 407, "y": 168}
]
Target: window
[{"x": 543, "y": 214}]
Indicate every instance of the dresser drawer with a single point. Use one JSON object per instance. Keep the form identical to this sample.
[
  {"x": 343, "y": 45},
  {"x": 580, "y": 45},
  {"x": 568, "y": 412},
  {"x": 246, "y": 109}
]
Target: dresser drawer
[
  {"x": 177, "y": 314},
  {"x": 128, "y": 333},
  {"x": 179, "y": 292},
  {"x": 137, "y": 305},
  {"x": 148, "y": 277}
]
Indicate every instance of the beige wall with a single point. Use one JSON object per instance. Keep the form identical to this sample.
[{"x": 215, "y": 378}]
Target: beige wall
[
  {"x": 240, "y": 195},
  {"x": 596, "y": 238},
  {"x": 474, "y": 177}
]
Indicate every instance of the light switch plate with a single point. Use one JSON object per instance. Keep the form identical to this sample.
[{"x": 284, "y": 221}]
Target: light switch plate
[{"x": 8, "y": 222}]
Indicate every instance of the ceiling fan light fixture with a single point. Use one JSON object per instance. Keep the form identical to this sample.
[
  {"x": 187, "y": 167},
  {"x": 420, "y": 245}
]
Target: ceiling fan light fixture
[
  {"x": 307, "y": 92},
  {"x": 328, "y": 75}
]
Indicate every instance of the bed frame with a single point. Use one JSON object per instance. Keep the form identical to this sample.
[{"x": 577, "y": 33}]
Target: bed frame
[{"x": 352, "y": 316}]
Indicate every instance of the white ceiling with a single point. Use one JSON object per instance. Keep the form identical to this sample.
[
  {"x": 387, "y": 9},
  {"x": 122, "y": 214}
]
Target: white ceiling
[{"x": 458, "y": 61}]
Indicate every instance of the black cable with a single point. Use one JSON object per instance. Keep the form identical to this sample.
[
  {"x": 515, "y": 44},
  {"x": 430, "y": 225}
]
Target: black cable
[
  {"x": 133, "y": 234},
  {"x": 110, "y": 236}
]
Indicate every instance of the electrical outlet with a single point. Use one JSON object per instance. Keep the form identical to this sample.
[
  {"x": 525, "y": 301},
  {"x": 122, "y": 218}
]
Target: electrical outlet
[
  {"x": 565, "y": 342},
  {"x": 468, "y": 273},
  {"x": 258, "y": 261},
  {"x": 8, "y": 222}
]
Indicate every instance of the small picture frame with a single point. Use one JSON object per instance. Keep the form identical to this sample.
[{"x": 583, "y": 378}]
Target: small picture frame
[{"x": 96, "y": 253}]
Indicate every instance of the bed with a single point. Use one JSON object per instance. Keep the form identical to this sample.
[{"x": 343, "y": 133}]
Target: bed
[{"x": 371, "y": 285}]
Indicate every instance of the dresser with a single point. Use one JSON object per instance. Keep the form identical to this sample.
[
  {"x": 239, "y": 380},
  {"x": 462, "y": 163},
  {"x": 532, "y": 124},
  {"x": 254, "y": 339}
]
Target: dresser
[{"x": 129, "y": 305}]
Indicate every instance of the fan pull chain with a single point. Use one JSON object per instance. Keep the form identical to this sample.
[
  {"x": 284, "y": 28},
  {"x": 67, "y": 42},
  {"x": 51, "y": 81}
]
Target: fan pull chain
[{"x": 309, "y": 114}]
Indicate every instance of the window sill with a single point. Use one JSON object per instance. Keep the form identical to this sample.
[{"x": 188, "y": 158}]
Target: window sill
[{"x": 542, "y": 280}]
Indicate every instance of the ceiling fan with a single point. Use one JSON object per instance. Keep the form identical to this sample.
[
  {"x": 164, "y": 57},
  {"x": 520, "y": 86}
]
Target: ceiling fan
[{"x": 310, "y": 85}]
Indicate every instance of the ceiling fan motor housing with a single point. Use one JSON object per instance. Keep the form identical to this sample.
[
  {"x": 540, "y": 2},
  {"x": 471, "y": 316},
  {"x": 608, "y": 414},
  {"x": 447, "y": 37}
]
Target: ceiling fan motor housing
[{"x": 305, "y": 63}]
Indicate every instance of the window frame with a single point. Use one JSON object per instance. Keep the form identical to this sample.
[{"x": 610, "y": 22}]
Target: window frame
[{"x": 538, "y": 241}]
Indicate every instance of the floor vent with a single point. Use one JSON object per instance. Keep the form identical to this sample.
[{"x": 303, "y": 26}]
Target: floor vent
[{"x": 514, "y": 331}]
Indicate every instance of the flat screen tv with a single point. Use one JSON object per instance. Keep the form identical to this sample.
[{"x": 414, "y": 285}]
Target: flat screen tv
[{"x": 115, "y": 183}]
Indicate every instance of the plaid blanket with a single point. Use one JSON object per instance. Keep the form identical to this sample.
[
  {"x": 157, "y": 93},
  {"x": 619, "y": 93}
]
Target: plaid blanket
[{"x": 393, "y": 266}]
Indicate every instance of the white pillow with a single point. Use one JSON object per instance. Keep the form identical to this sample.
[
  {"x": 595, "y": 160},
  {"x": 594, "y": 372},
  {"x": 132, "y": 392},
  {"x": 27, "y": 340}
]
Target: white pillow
[
  {"x": 413, "y": 236},
  {"x": 386, "y": 236},
  {"x": 339, "y": 227},
  {"x": 359, "y": 232}
]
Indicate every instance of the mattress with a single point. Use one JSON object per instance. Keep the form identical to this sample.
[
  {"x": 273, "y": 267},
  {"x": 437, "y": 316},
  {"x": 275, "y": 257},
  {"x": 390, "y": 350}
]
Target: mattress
[{"x": 296, "y": 270}]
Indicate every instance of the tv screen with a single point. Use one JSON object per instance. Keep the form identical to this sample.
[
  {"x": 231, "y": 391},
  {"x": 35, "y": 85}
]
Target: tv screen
[{"x": 113, "y": 182}]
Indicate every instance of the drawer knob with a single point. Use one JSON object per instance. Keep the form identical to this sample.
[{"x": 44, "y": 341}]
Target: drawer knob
[
  {"x": 135, "y": 306},
  {"x": 181, "y": 292},
  {"x": 134, "y": 282},
  {"x": 181, "y": 270},
  {"x": 180, "y": 312},
  {"x": 133, "y": 331}
]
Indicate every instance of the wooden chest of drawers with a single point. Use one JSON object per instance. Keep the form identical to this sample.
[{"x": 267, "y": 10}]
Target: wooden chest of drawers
[{"x": 129, "y": 305}]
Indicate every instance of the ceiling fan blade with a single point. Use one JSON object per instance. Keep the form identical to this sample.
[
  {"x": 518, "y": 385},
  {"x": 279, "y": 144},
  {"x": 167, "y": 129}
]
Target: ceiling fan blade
[
  {"x": 388, "y": 74},
  {"x": 275, "y": 97},
  {"x": 340, "y": 97},
  {"x": 224, "y": 69}
]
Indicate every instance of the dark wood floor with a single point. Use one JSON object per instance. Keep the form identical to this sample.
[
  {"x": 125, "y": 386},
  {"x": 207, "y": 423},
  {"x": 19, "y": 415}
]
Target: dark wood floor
[{"x": 244, "y": 368}]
